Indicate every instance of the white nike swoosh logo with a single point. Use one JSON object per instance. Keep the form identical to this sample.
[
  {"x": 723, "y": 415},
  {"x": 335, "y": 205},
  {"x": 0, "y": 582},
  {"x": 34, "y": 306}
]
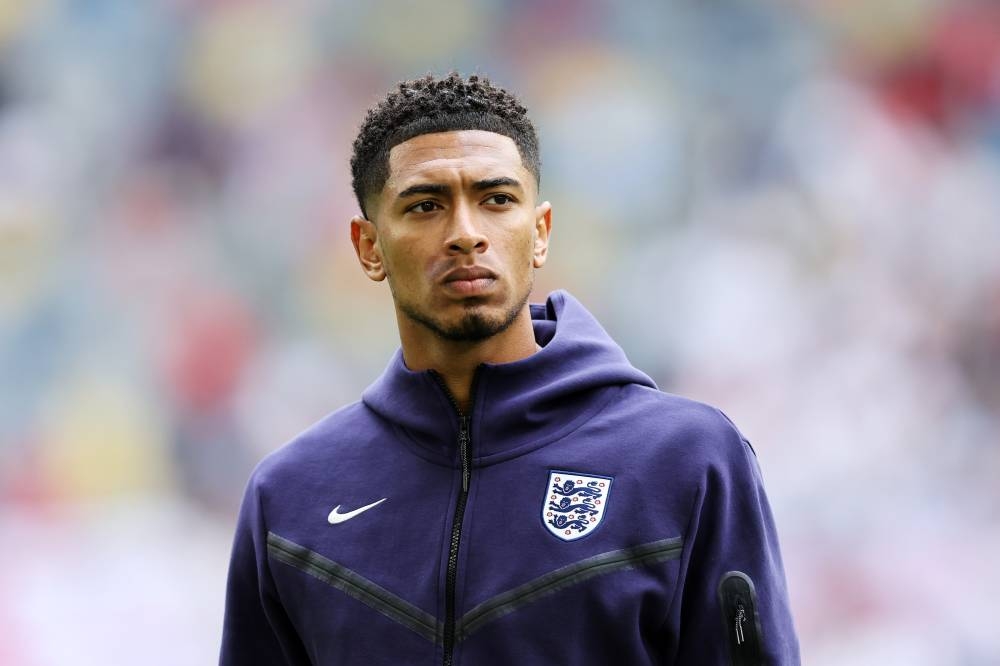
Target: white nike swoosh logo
[{"x": 337, "y": 517}]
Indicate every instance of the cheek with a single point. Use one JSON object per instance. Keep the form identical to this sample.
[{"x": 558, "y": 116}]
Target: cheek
[
  {"x": 391, "y": 259},
  {"x": 405, "y": 256},
  {"x": 524, "y": 247},
  {"x": 393, "y": 247}
]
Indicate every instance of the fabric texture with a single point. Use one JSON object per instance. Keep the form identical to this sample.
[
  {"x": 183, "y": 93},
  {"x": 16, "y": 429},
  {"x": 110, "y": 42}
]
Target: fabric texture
[{"x": 600, "y": 517}]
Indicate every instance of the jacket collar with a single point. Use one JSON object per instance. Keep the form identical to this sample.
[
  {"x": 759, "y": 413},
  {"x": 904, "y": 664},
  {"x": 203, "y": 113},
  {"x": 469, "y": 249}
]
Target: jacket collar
[{"x": 515, "y": 406}]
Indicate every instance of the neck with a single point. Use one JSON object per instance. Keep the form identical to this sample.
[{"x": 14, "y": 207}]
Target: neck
[{"x": 456, "y": 362}]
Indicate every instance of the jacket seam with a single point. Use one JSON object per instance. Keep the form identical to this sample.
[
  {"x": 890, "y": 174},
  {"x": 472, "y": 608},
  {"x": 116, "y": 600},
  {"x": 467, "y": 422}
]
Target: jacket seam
[
  {"x": 689, "y": 546},
  {"x": 275, "y": 590}
]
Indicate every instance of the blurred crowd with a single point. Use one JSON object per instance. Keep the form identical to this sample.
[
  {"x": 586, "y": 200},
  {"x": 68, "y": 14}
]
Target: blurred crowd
[{"x": 788, "y": 209}]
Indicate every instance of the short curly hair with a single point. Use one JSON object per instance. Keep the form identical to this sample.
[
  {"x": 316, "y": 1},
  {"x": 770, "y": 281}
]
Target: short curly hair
[{"x": 429, "y": 105}]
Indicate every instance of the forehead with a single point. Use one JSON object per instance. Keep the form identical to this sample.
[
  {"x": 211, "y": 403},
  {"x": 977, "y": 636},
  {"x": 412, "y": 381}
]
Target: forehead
[{"x": 443, "y": 154}]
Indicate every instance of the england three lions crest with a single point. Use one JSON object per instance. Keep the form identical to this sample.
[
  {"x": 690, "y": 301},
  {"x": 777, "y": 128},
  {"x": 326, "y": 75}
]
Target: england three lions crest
[{"x": 574, "y": 503}]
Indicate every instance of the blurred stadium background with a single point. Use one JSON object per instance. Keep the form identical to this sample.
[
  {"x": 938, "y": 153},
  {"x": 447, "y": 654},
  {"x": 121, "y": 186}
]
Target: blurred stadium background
[{"x": 788, "y": 209}]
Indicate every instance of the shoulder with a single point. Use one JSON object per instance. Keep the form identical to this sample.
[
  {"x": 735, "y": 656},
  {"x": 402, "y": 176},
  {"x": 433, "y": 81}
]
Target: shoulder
[
  {"x": 684, "y": 418},
  {"x": 315, "y": 446},
  {"x": 692, "y": 435}
]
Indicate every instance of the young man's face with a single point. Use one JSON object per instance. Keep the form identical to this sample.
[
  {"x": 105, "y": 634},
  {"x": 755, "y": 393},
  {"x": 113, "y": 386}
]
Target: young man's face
[{"x": 457, "y": 233}]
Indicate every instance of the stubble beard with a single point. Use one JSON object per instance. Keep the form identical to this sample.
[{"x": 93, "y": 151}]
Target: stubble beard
[{"x": 474, "y": 326}]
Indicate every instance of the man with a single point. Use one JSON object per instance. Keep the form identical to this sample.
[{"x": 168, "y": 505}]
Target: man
[{"x": 511, "y": 490}]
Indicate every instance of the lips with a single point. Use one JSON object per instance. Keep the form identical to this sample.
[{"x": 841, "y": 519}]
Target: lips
[
  {"x": 469, "y": 273},
  {"x": 469, "y": 280}
]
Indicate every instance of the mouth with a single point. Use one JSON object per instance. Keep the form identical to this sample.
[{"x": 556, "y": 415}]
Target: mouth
[{"x": 469, "y": 281}]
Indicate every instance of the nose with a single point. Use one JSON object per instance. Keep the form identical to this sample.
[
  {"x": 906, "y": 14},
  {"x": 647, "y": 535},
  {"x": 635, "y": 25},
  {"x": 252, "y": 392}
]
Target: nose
[{"x": 464, "y": 234}]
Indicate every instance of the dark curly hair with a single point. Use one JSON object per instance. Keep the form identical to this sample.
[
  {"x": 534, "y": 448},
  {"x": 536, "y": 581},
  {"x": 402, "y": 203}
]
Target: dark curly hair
[{"x": 429, "y": 105}]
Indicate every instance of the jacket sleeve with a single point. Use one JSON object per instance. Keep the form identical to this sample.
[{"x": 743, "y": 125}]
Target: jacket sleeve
[
  {"x": 731, "y": 605},
  {"x": 256, "y": 628}
]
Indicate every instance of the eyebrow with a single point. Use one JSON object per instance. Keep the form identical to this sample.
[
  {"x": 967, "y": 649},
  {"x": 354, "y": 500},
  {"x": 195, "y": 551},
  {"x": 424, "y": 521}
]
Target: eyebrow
[
  {"x": 424, "y": 188},
  {"x": 490, "y": 183},
  {"x": 478, "y": 186}
]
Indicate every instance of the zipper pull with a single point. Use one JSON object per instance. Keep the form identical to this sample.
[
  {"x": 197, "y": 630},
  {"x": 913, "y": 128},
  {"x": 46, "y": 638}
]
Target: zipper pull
[
  {"x": 738, "y": 603},
  {"x": 463, "y": 450},
  {"x": 741, "y": 617}
]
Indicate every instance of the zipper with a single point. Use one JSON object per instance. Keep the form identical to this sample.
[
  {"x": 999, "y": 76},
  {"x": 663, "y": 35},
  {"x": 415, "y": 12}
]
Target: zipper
[
  {"x": 738, "y": 601},
  {"x": 456, "y": 541},
  {"x": 451, "y": 575}
]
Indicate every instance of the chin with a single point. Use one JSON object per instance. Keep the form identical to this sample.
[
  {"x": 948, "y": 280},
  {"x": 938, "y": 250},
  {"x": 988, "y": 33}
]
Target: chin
[
  {"x": 478, "y": 322},
  {"x": 474, "y": 327}
]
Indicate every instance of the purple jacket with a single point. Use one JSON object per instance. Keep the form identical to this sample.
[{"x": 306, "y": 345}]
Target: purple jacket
[{"x": 577, "y": 515}]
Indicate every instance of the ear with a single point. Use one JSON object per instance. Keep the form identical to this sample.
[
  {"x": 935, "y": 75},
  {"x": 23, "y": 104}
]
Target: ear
[
  {"x": 364, "y": 236},
  {"x": 543, "y": 227}
]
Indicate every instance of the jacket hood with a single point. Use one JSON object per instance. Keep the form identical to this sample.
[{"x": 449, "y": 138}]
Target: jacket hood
[{"x": 516, "y": 406}]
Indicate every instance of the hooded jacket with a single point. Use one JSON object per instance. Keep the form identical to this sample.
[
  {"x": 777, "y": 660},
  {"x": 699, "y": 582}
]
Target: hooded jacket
[{"x": 576, "y": 515}]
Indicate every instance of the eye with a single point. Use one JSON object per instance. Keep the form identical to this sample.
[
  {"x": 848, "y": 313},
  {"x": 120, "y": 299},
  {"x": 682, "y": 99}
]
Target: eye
[
  {"x": 423, "y": 207},
  {"x": 499, "y": 200}
]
